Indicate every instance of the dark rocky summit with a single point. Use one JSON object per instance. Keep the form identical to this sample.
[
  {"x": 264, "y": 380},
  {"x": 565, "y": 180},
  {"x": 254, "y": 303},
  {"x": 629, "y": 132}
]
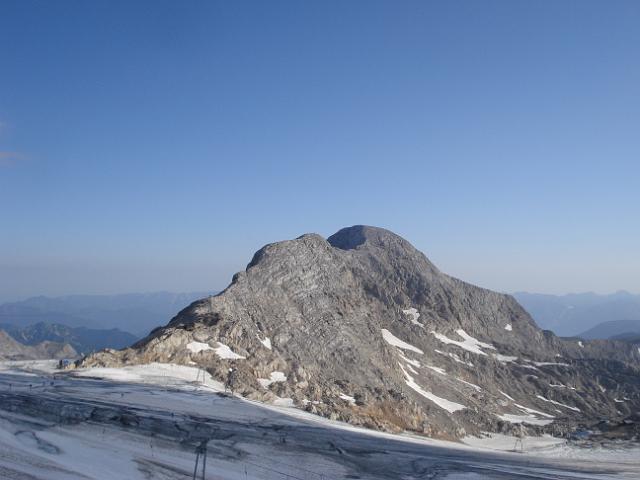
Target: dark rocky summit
[{"x": 362, "y": 327}]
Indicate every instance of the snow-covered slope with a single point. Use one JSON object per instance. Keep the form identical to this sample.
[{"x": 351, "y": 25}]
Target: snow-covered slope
[{"x": 148, "y": 421}]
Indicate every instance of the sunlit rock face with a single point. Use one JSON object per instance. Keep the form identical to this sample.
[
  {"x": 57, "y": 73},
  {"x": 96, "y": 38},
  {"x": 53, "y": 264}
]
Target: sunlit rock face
[{"x": 362, "y": 327}]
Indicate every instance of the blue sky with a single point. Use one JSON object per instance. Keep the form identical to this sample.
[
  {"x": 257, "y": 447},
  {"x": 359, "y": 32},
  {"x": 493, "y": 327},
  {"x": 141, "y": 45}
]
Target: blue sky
[{"x": 156, "y": 145}]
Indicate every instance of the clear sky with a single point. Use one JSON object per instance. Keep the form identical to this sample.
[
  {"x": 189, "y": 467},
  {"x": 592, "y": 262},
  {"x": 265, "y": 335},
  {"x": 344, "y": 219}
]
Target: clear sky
[{"x": 157, "y": 145}]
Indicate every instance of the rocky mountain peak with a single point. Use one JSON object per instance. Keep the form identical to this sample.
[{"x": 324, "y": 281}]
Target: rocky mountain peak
[
  {"x": 352, "y": 237},
  {"x": 363, "y": 328}
]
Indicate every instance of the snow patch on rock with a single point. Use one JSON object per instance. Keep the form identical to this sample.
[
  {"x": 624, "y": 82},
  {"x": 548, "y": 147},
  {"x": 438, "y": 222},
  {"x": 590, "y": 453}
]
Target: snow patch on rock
[
  {"x": 546, "y": 364},
  {"x": 559, "y": 385},
  {"x": 396, "y": 342},
  {"x": 468, "y": 343},
  {"x": 441, "y": 371},
  {"x": 348, "y": 398},
  {"x": 274, "y": 377},
  {"x": 410, "y": 368},
  {"x": 283, "y": 402},
  {"x": 510, "y": 398},
  {"x": 197, "y": 347},
  {"x": 532, "y": 411},
  {"x": 415, "y": 363},
  {"x": 454, "y": 356},
  {"x": 472, "y": 385},
  {"x": 575, "y": 409},
  {"x": 226, "y": 353},
  {"x": 504, "y": 358},
  {"x": 414, "y": 315},
  {"x": 443, "y": 403},
  {"x": 266, "y": 342}
]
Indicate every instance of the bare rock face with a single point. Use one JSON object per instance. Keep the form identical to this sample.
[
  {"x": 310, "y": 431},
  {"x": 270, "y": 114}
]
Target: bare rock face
[{"x": 362, "y": 327}]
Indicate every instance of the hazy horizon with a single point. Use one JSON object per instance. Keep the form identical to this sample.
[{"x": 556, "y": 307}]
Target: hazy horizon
[
  {"x": 145, "y": 146},
  {"x": 217, "y": 290},
  {"x": 222, "y": 286}
]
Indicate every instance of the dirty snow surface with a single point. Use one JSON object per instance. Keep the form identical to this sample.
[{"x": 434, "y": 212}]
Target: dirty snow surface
[{"x": 146, "y": 422}]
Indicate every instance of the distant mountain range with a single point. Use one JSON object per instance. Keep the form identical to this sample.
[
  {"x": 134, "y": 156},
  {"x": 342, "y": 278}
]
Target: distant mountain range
[
  {"x": 628, "y": 337},
  {"x": 135, "y": 313},
  {"x": 615, "y": 329},
  {"x": 10, "y": 349},
  {"x": 584, "y": 314},
  {"x": 93, "y": 322},
  {"x": 82, "y": 339}
]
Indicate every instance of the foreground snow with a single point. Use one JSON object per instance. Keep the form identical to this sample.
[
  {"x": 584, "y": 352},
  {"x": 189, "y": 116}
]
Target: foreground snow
[
  {"x": 107, "y": 453},
  {"x": 165, "y": 374},
  {"x": 278, "y": 442},
  {"x": 507, "y": 443}
]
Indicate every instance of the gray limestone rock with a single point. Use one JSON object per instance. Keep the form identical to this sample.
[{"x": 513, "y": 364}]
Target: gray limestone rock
[{"x": 362, "y": 327}]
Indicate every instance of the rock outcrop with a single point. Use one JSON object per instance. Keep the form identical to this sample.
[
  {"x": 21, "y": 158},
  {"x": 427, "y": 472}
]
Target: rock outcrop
[{"x": 362, "y": 327}]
